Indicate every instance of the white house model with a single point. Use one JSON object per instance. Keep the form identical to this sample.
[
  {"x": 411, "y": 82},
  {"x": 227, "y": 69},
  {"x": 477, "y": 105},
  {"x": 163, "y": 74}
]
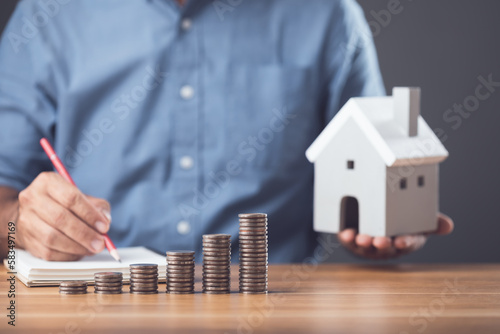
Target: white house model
[{"x": 376, "y": 168}]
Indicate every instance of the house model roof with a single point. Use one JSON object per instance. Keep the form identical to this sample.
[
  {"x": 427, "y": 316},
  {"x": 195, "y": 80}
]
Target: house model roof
[{"x": 393, "y": 125}]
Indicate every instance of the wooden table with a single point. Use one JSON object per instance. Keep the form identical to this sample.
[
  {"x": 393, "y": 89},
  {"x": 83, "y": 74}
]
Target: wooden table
[{"x": 302, "y": 299}]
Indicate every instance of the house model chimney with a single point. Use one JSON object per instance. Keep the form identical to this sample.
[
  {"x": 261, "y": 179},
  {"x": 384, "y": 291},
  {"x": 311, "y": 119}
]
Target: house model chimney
[{"x": 407, "y": 108}]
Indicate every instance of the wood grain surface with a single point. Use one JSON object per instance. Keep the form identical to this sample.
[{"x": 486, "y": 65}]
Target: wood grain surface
[{"x": 302, "y": 299}]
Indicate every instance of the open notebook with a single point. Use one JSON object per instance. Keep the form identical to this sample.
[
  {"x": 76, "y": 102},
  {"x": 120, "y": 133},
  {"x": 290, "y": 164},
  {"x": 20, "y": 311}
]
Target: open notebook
[{"x": 33, "y": 271}]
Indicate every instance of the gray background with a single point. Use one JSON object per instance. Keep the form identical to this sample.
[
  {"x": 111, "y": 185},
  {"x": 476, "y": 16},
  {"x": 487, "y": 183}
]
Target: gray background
[{"x": 444, "y": 46}]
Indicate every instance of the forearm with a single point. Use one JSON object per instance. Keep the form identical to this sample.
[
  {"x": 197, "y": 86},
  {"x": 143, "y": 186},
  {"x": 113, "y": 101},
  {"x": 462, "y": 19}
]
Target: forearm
[{"x": 8, "y": 212}]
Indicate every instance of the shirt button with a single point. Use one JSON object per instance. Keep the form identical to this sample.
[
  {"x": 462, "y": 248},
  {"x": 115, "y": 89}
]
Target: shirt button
[
  {"x": 186, "y": 24},
  {"x": 183, "y": 227},
  {"x": 187, "y": 92},
  {"x": 186, "y": 162}
]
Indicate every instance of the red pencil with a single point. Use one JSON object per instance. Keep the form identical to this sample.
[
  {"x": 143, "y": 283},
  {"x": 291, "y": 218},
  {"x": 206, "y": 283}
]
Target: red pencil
[{"x": 64, "y": 173}]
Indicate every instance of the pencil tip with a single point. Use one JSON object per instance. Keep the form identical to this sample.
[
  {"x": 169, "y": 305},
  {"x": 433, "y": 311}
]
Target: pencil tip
[{"x": 115, "y": 255}]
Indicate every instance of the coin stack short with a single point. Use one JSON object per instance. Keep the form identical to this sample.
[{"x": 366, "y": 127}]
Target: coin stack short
[
  {"x": 108, "y": 282},
  {"x": 144, "y": 278},
  {"x": 73, "y": 288},
  {"x": 217, "y": 263},
  {"x": 180, "y": 272},
  {"x": 253, "y": 253}
]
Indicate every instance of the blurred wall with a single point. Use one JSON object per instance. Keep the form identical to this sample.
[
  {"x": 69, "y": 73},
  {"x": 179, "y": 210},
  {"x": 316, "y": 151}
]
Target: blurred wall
[{"x": 448, "y": 48}]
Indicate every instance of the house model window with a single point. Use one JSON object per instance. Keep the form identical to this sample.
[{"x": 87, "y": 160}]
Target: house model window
[
  {"x": 421, "y": 181},
  {"x": 350, "y": 164},
  {"x": 402, "y": 184}
]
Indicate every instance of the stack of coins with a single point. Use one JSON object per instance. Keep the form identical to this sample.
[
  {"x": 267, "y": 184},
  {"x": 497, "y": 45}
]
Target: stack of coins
[
  {"x": 253, "y": 253},
  {"x": 180, "y": 272},
  {"x": 144, "y": 278},
  {"x": 73, "y": 288},
  {"x": 216, "y": 263},
  {"x": 108, "y": 282}
]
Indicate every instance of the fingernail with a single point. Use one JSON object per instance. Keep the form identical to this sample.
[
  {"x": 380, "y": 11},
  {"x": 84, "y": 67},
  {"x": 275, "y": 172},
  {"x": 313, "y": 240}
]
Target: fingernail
[
  {"x": 97, "y": 245},
  {"x": 101, "y": 227},
  {"x": 107, "y": 214}
]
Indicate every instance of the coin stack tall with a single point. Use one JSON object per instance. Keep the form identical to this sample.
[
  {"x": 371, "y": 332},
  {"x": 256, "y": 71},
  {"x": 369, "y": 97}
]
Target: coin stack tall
[
  {"x": 253, "y": 253},
  {"x": 108, "y": 282},
  {"x": 217, "y": 263},
  {"x": 180, "y": 272},
  {"x": 144, "y": 278},
  {"x": 73, "y": 288}
]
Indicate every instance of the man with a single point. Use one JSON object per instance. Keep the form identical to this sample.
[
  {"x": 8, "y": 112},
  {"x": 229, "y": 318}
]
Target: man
[{"x": 180, "y": 115}]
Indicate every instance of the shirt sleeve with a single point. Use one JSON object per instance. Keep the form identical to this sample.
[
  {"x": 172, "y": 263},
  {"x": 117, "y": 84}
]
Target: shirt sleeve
[
  {"x": 354, "y": 64},
  {"x": 27, "y": 110}
]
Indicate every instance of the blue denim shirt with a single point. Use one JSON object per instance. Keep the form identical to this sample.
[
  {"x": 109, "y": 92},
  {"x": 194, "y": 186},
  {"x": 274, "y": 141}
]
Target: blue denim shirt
[{"x": 182, "y": 117}]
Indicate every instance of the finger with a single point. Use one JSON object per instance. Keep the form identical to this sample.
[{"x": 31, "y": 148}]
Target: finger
[
  {"x": 102, "y": 205},
  {"x": 363, "y": 240},
  {"x": 445, "y": 225},
  {"x": 347, "y": 236},
  {"x": 382, "y": 243},
  {"x": 409, "y": 242},
  {"x": 65, "y": 221},
  {"x": 71, "y": 198},
  {"x": 41, "y": 251},
  {"x": 53, "y": 238}
]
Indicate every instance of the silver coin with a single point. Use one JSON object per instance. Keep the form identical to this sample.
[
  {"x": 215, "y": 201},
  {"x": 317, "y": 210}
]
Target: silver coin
[
  {"x": 216, "y": 236},
  {"x": 144, "y": 292},
  {"x": 244, "y": 250},
  {"x": 253, "y": 256},
  {"x": 216, "y": 268},
  {"x": 209, "y": 276},
  {"x": 144, "y": 285},
  {"x": 216, "y": 288},
  {"x": 216, "y": 285},
  {"x": 253, "y": 276},
  {"x": 108, "y": 292},
  {"x": 180, "y": 271},
  {"x": 253, "y": 221},
  {"x": 179, "y": 279},
  {"x": 252, "y": 237},
  {"x": 180, "y": 253},
  {"x": 252, "y": 215},
  {"x": 143, "y": 280},
  {"x": 139, "y": 289},
  {"x": 143, "y": 266},
  {"x": 226, "y": 262},
  {"x": 216, "y": 258},
  {"x": 253, "y": 280},
  {"x": 108, "y": 289},
  {"x": 216, "y": 282},
  {"x": 105, "y": 280},
  {"x": 73, "y": 283},
  {"x": 178, "y": 267},
  {"x": 181, "y": 275},
  {"x": 181, "y": 292},
  {"x": 254, "y": 292},
  {"x": 253, "y": 263},
  {"x": 216, "y": 292},
  {"x": 180, "y": 288},
  {"x": 66, "y": 292},
  {"x": 144, "y": 275},
  {"x": 254, "y": 270},
  {"x": 216, "y": 254},
  {"x": 257, "y": 230},
  {"x": 108, "y": 274},
  {"x": 216, "y": 271},
  {"x": 180, "y": 263},
  {"x": 225, "y": 251},
  {"x": 109, "y": 284}
]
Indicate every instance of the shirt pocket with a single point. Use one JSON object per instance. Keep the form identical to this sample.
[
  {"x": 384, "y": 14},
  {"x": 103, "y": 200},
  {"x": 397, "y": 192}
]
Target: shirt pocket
[{"x": 271, "y": 115}]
